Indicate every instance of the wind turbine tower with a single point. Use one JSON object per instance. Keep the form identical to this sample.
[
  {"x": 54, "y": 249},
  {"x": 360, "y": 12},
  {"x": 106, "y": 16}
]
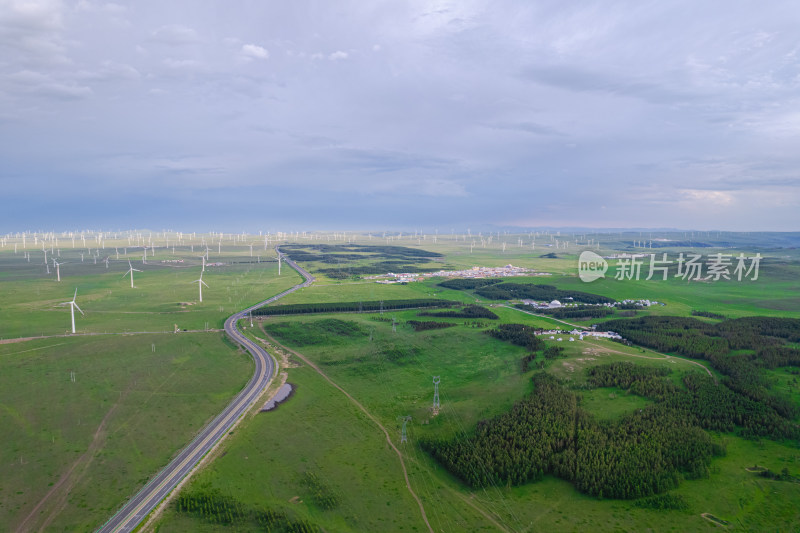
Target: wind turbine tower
[
  {"x": 130, "y": 271},
  {"x": 58, "y": 270},
  {"x": 200, "y": 284},
  {"x": 72, "y": 306}
]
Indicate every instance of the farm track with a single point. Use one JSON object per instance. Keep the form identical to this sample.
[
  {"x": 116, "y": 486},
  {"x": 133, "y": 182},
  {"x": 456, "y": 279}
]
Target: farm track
[
  {"x": 69, "y": 335},
  {"x": 370, "y": 416}
]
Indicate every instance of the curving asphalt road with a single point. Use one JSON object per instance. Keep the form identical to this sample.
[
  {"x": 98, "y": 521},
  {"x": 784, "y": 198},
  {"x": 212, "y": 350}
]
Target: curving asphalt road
[{"x": 138, "y": 507}]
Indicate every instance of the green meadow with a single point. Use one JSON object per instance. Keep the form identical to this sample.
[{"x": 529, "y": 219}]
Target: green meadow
[
  {"x": 140, "y": 391},
  {"x": 165, "y": 294},
  {"x": 77, "y": 449},
  {"x": 318, "y": 429},
  {"x": 88, "y": 420}
]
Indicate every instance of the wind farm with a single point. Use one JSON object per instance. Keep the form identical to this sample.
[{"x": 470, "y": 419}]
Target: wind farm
[
  {"x": 164, "y": 312},
  {"x": 413, "y": 267}
]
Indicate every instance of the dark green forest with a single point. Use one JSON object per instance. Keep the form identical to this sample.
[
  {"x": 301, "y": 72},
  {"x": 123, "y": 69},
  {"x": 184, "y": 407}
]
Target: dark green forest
[
  {"x": 470, "y": 311},
  {"x": 649, "y": 451},
  {"x": 739, "y": 349},
  {"x": 429, "y": 324},
  {"x": 495, "y": 290},
  {"x": 344, "y": 307},
  {"x": 645, "y": 453}
]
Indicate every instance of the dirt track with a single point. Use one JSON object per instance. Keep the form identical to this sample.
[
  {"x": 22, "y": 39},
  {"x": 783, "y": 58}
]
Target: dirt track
[{"x": 371, "y": 417}]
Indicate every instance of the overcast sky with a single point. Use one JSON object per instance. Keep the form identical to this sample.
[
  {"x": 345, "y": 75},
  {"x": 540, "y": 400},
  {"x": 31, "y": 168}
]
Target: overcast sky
[{"x": 250, "y": 115}]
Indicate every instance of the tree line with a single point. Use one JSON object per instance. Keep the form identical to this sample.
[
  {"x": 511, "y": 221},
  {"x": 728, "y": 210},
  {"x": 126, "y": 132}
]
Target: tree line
[
  {"x": 518, "y": 334},
  {"x": 345, "y": 307},
  {"x": 763, "y": 337},
  {"x": 520, "y": 291},
  {"x": 429, "y": 324},
  {"x": 212, "y": 506},
  {"x": 705, "y": 403},
  {"x": 470, "y": 311}
]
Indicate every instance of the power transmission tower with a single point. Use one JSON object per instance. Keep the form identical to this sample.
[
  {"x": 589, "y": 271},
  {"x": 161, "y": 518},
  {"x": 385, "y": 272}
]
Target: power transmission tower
[
  {"x": 436, "y": 381},
  {"x": 403, "y": 434}
]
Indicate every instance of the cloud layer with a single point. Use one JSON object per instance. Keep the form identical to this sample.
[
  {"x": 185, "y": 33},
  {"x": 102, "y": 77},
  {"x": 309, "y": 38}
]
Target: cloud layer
[{"x": 399, "y": 114}]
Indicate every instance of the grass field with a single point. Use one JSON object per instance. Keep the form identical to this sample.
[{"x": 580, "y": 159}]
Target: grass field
[
  {"x": 480, "y": 377},
  {"x": 155, "y": 401},
  {"x": 140, "y": 392},
  {"x": 101, "y": 436},
  {"x": 165, "y": 294}
]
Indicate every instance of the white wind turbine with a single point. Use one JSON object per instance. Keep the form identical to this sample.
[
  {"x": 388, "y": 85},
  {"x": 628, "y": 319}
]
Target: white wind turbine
[
  {"x": 58, "y": 270},
  {"x": 200, "y": 284},
  {"x": 73, "y": 305},
  {"x": 130, "y": 271}
]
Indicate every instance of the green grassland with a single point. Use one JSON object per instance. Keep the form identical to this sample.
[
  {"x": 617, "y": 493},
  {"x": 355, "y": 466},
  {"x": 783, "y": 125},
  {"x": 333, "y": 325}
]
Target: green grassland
[
  {"x": 155, "y": 400},
  {"x": 164, "y": 294},
  {"x": 127, "y": 412},
  {"x": 480, "y": 377},
  {"x": 774, "y": 293},
  {"x": 163, "y": 397}
]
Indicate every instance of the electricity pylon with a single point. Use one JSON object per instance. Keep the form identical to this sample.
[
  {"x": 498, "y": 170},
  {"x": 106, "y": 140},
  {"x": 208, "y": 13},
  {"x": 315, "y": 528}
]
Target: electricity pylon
[
  {"x": 403, "y": 434},
  {"x": 436, "y": 381}
]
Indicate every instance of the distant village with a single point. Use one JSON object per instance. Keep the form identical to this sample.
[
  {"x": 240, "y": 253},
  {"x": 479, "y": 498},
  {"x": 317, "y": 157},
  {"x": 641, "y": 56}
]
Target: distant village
[
  {"x": 555, "y": 304},
  {"x": 558, "y": 334},
  {"x": 473, "y": 273}
]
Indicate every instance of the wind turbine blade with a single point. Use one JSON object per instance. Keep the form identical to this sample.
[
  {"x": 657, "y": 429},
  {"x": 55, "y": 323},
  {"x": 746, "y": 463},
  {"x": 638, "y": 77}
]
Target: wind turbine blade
[
  {"x": 75, "y": 295},
  {"x": 203, "y": 282},
  {"x": 76, "y": 307}
]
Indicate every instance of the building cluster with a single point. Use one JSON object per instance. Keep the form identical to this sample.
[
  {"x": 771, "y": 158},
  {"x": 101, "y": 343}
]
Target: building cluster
[
  {"x": 560, "y": 335},
  {"x": 555, "y": 304},
  {"x": 472, "y": 273}
]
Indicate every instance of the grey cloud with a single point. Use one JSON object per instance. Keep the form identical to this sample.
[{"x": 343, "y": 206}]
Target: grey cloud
[
  {"x": 562, "y": 104},
  {"x": 35, "y": 83},
  {"x": 529, "y": 127},
  {"x": 33, "y": 31},
  {"x": 582, "y": 79}
]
